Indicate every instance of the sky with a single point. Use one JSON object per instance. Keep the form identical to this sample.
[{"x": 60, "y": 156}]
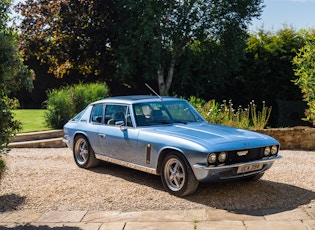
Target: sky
[{"x": 300, "y": 14}]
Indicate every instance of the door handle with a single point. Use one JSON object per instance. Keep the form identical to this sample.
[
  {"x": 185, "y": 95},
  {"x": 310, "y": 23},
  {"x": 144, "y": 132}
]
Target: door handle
[{"x": 102, "y": 135}]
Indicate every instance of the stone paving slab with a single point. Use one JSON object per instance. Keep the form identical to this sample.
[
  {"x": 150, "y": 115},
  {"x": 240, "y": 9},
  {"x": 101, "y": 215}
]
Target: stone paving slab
[
  {"x": 310, "y": 224},
  {"x": 52, "y": 226},
  {"x": 21, "y": 217},
  {"x": 296, "y": 214},
  {"x": 61, "y": 216},
  {"x": 296, "y": 219},
  {"x": 275, "y": 225},
  {"x": 234, "y": 215},
  {"x": 174, "y": 216},
  {"x": 311, "y": 211},
  {"x": 111, "y": 216},
  {"x": 74, "y": 226},
  {"x": 159, "y": 225},
  {"x": 223, "y": 224},
  {"x": 113, "y": 226}
]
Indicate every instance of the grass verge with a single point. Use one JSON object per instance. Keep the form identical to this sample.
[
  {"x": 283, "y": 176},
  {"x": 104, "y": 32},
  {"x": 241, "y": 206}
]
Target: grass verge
[{"x": 32, "y": 120}]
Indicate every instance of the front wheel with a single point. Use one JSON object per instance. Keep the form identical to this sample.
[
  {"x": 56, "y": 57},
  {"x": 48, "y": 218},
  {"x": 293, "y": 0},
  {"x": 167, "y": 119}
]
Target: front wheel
[
  {"x": 177, "y": 176},
  {"x": 83, "y": 153}
]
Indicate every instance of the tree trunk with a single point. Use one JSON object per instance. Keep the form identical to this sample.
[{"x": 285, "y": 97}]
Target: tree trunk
[
  {"x": 161, "y": 82},
  {"x": 165, "y": 85}
]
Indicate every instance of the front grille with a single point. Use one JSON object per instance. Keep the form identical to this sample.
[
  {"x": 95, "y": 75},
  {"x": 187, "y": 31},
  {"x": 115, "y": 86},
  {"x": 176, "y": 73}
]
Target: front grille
[{"x": 253, "y": 154}]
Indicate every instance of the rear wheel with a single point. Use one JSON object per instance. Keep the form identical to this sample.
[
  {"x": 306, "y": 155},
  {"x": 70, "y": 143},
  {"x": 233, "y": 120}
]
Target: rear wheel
[
  {"x": 83, "y": 153},
  {"x": 177, "y": 176}
]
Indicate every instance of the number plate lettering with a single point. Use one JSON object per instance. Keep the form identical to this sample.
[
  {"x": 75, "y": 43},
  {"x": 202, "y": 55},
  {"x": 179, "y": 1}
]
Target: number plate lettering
[{"x": 249, "y": 168}]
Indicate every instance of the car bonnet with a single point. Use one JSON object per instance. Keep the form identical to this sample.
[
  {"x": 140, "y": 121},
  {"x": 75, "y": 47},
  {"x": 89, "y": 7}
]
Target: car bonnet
[{"x": 205, "y": 134}]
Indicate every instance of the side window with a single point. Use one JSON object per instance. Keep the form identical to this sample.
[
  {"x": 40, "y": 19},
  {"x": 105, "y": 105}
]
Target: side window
[
  {"x": 97, "y": 114},
  {"x": 114, "y": 113}
]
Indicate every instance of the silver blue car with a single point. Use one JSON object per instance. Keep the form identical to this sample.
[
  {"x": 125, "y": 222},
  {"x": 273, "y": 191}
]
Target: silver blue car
[{"x": 166, "y": 136}]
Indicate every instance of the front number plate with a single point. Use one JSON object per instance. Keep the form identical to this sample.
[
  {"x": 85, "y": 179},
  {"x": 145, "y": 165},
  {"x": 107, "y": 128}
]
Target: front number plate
[{"x": 249, "y": 168}]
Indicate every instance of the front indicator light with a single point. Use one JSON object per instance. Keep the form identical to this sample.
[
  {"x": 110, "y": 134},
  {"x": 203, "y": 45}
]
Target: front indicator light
[
  {"x": 274, "y": 150},
  {"x": 212, "y": 158},
  {"x": 267, "y": 151},
  {"x": 222, "y": 157}
]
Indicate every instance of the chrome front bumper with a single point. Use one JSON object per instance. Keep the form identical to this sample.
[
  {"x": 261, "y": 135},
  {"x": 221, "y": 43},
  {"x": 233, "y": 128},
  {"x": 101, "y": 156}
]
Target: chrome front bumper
[
  {"x": 220, "y": 167},
  {"x": 223, "y": 172}
]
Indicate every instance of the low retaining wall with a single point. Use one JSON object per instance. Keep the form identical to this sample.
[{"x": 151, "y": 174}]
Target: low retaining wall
[
  {"x": 300, "y": 138},
  {"x": 295, "y": 138},
  {"x": 42, "y": 139}
]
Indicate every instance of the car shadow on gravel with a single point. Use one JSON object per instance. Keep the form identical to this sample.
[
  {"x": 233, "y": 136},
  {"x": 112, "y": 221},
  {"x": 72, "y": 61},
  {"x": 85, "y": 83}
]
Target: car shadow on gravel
[
  {"x": 13, "y": 200},
  {"x": 128, "y": 174},
  {"x": 243, "y": 197},
  {"x": 250, "y": 197}
]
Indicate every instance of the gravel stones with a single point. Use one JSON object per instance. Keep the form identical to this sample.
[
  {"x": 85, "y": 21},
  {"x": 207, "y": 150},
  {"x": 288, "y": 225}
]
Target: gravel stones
[{"x": 47, "y": 179}]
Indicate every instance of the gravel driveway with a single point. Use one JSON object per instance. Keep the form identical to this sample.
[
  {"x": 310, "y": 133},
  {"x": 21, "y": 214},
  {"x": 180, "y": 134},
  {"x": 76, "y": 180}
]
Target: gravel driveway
[{"x": 49, "y": 180}]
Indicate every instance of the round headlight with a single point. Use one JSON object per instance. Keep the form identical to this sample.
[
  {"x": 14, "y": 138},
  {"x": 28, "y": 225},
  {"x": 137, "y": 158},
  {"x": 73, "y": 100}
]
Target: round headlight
[
  {"x": 274, "y": 150},
  {"x": 267, "y": 151},
  {"x": 212, "y": 158},
  {"x": 222, "y": 157}
]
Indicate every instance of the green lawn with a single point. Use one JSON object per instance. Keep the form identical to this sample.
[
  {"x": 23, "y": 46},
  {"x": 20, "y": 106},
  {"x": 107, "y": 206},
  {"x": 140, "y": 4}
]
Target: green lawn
[{"x": 32, "y": 119}]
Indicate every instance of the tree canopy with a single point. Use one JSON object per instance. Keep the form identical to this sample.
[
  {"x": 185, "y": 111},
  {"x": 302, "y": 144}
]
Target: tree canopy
[
  {"x": 267, "y": 70},
  {"x": 138, "y": 40},
  {"x": 162, "y": 31},
  {"x": 67, "y": 34}
]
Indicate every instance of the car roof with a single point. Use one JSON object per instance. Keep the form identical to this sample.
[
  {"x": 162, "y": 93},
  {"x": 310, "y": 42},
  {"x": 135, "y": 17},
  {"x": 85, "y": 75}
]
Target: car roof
[{"x": 131, "y": 99}]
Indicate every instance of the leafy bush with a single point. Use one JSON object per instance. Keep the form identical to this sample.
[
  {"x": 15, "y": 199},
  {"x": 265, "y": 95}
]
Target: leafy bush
[
  {"x": 8, "y": 126},
  {"x": 13, "y": 76},
  {"x": 225, "y": 114},
  {"x": 305, "y": 71},
  {"x": 59, "y": 107},
  {"x": 62, "y": 104}
]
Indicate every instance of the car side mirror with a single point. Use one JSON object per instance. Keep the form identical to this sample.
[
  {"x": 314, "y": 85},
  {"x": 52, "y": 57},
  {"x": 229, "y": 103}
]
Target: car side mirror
[{"x": 120, "y": 124}]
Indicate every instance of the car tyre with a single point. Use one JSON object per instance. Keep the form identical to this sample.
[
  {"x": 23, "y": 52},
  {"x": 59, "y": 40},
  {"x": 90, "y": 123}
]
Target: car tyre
[
  {"x": 83, "y": 153},
  {"x": 177, "y": 176}
]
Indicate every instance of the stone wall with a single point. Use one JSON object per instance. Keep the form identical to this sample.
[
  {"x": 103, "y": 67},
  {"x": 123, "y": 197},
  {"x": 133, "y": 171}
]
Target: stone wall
[{"x": 302, "y": 138}]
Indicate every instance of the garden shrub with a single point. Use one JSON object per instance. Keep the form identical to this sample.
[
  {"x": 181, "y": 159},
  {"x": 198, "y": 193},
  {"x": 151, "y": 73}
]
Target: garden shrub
[
  {"x": 304, "y": 63},
  {"x": 8, "y": 126},
  {"x": 59, "y": 107},
  {"x": 14, "y": 75},
  {"x": 225, "y": 114},
  {"x": 62, "y": 104}
]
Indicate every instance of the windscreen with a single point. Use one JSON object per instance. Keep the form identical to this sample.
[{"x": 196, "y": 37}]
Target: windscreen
[{"x": 165, "y": 112}]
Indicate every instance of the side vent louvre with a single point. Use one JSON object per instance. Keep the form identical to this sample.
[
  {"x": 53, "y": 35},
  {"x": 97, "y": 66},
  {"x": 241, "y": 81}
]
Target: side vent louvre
[{"x": 148, "y": 154}]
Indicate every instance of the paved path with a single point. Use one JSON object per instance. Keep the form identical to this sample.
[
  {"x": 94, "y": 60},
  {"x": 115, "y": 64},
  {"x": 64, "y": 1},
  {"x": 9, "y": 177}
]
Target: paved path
[{"x": 301, "y": 218}]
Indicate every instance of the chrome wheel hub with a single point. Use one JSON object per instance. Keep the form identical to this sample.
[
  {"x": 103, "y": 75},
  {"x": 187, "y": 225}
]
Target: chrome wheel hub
[
  {"x": 174, "y": 174},
  {"x": 81, "y": 152}
]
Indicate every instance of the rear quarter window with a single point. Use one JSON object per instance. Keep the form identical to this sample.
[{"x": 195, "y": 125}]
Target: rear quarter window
[{"x": 97, "y": 114}]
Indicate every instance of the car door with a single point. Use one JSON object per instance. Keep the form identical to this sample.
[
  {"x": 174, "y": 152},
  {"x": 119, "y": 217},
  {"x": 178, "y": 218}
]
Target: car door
[
  {"x": 93, "y": 124},
  {"x": 118, "y": 138}
]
